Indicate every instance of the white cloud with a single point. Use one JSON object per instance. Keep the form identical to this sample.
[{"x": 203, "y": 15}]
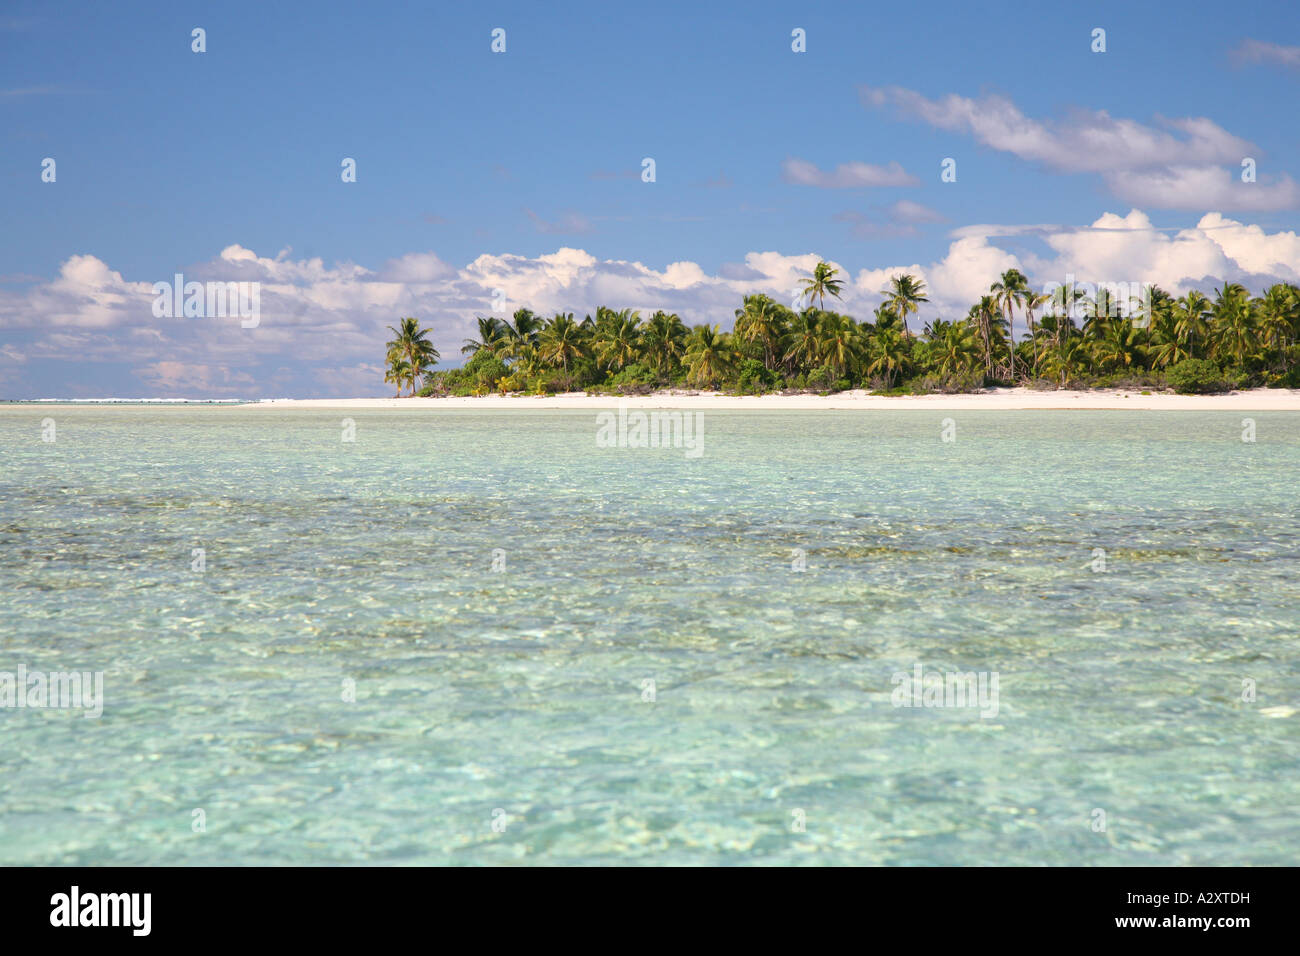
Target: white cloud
[
  {"x": 323, "y": 327},
  {"x": 1202, "y": 187},
  {"x": 1188, "y": 163},
  {"x": 913, "y": 212},
  {"x": 1258, "y": 51},
  {"x": 845, "y": 176},
  {"x": 1087, "y": 141},
  {"x": 570, "y": 223}
]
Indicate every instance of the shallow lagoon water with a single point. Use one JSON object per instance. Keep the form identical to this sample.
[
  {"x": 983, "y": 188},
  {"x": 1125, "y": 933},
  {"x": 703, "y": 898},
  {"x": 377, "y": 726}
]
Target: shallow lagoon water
[{"x": 524, "y": 690}]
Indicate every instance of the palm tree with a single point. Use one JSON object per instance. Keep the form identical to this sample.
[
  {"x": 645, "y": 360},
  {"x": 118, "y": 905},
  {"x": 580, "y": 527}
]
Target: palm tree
[
  {"x": 1119, "y": 346},
  {"x": 952, "y": 346},
  {"x": 1278, "y": 312},
  {"x": 1166, "y": 346},
  {"x": 761, "y": 321},
  {"x": 1191, "y": 320},
  {"x": 491, "y": 332},
  {"x": 618, "y": 343},
  {"x": 1064, "y": 305},
  {"x": 985, "y": 317},
  {"x": 838, "y": 345},
  {"x": 664, "y": 341},
  {"x": 1031, "y": 301},
  {"x": 411, "y": 344},
  {"x": 708, "y": 355},
  {"x": 823, "y": 281},
  {"x": 887, "y": 355},
  {"x": 904, "y": 294},
  {"x": 1065, "y": 357},
  {"x": 399, "y": 370},
  {"x": 1100, "y": 311},
  {"x": 520, "y": 335},
  {"x": 805, "y": 339},
  {"x": 560, "y": 341},
  {"x": 1007, "y": 292},
  {"x": 1235, "y": 334}
]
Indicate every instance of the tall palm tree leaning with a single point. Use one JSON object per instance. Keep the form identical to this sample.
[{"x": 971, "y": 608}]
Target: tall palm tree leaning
[
  {"x": 411, "y": 345},
  {"x": 1032, "y": 301},
  {"x": 823, "y": 281},
  {"x": 905, "y": 292},
  {"x": 1009, "y": 291}
]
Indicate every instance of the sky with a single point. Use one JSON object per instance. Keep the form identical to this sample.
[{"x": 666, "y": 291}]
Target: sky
[{"x": 487, "y": 181}]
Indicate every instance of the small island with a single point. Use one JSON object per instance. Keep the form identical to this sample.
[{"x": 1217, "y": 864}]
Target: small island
[{"x": 1072, "y": 341}]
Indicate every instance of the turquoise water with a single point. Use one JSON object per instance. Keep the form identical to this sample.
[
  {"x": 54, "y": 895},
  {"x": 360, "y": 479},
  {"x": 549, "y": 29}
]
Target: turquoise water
[{"x": 521, "y": 690}]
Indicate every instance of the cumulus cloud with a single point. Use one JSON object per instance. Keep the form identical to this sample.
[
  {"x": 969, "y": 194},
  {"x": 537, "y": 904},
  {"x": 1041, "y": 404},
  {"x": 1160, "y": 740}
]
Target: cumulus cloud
[
  {"x": 801, "y": 172},
  {"x": 1202, "y": 187}
]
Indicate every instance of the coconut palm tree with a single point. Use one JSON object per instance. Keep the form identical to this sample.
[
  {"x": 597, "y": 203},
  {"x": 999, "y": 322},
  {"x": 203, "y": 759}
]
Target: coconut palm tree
[
  {"x": 1235, "y": 330},
  {"x": 491, "y": 333},
  {"x": 887, "y": 355},
  {"x": 1119, "y": 346},
  {"x": 904, "y": 294},
  {"x": 560, "y": 341},
  {"x": 664, "y": 342},
  {"x": 399, "y": 371},
  {"x": 1066, "y": 357},
  {"x": 823, "y": 282},
  {"x": 805, "y": 339},
  {"x": 709, "y": 357},
  {"x": 1191, "y": 321},
  {"x": 1278, "y": 311},
  {"x": 1166, "y": 347},
  {"x": 520, "y": 334},
  {"x": 618, "y": 342},
  {"x": 953, "y": 347},
  {"x": 761, "y": 320},
  {"x": 984, "y": 315},
  {"x": 1100, "y": 312},
  {"x": 1031, "y": 302},
  {"x": 839, "y": 342},
  {"x": 1008, "y": 292},
  {"x": 411, "y": 344}
]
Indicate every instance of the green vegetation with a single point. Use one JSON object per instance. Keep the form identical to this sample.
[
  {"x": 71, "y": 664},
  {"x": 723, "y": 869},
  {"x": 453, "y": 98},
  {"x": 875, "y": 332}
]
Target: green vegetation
[
  {"x": 1196, "y": 377},
  {"x": 410, "y": 353},
  {"x": 1192, "y": 344}
]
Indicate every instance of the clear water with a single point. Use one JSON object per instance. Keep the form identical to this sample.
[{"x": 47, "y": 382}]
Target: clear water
[{"x": 522, "y": 690}]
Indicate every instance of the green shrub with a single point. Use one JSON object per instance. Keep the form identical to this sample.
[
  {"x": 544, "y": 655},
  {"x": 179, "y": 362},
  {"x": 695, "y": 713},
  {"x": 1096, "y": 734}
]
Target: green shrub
[
  {"x": 1288, "y": 379},
  {"x": 950, "y": 384},
  {"x": 1196, "y": 377},
  {"x": 755, "y": 378},
  {"x": 485, "y": 369}
]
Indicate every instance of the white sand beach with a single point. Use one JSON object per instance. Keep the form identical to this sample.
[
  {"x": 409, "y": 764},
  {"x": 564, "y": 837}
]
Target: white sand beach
[{"x": 1256, "y": 400}]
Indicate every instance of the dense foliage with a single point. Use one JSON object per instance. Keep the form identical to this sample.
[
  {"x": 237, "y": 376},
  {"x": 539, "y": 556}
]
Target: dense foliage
[{"x": 1192, "y": 344}]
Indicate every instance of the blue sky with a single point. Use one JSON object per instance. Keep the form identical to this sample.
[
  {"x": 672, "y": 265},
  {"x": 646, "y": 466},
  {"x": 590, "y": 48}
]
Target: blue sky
[{"x": 166, "y": 157}]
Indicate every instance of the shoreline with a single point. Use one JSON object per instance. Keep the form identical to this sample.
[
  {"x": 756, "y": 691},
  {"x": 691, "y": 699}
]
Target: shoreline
[{"x": 1011, "y": 399}]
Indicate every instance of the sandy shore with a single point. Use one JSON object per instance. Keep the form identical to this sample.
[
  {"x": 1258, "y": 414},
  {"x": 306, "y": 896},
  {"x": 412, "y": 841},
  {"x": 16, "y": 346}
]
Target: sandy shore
[{"x": 1261, "y": 399}]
